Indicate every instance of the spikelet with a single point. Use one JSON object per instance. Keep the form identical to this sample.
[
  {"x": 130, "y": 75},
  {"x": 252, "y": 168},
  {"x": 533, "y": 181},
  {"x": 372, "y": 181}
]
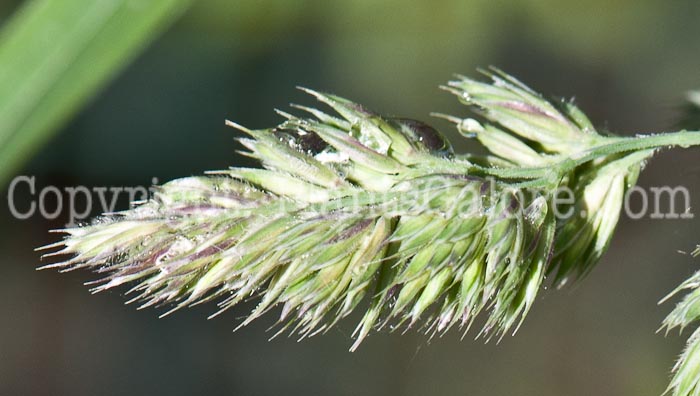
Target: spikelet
[
  {"x": 686, "y": 378},
  {"x": 523, "y": 129}
]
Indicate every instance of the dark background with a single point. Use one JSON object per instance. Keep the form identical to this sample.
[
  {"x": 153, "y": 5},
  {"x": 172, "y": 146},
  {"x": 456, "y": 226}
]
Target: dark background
[{"x": 628, "y": 63}]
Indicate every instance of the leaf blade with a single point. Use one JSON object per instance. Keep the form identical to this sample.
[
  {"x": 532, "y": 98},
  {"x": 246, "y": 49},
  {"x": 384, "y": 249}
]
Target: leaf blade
[{"x": 55, "y": 55}]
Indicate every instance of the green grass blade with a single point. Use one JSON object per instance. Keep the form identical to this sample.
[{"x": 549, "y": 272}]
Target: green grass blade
[{"x": 56, "y": 54}]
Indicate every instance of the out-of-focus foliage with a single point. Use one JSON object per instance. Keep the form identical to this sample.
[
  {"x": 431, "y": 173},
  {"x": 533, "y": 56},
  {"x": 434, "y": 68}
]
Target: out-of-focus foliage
[
  {"x": 385, "y": 44},
  {"x": 691, "y": 118},
  {"x": 55, "y": 54}
]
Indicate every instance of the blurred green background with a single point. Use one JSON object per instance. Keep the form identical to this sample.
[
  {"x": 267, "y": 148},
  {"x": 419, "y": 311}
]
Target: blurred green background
[{"x": 628, "y": 63}]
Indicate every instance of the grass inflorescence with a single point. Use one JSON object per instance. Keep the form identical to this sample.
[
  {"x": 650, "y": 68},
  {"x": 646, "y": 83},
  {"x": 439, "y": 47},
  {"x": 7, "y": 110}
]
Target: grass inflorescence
[{"x": 355, "y": 211}]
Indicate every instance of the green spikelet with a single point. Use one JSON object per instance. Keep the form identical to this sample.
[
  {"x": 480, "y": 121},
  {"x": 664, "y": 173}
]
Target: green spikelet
[
  {"x": 686, "y": 378},
  {"x": 523, "y": 129}
]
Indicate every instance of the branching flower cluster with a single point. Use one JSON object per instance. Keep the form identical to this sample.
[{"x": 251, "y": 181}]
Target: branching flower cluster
[{"x": 353, "y": 211}]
